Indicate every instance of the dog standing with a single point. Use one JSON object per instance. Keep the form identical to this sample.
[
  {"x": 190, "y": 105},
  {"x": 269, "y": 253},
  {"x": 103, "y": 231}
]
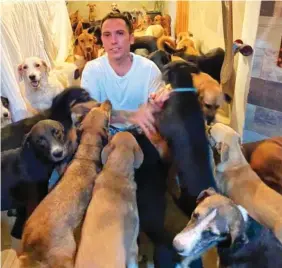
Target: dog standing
[
  {"x": 241, "y": 242},
  {"x": 235, "y": 178},
  {"x": 92, "y": 13},
  {"x": 48, "y": 239},
  {"x": 111, "y": 225},
  {"x": 5, "y": 112},
  {"x": 40, "y": 85}
]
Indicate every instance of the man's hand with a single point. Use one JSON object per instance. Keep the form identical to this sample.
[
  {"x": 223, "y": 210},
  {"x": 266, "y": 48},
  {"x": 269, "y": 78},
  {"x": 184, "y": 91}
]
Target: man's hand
[
  {"x": 144, "y": 117},
  {"x": 158, "y": 98}
]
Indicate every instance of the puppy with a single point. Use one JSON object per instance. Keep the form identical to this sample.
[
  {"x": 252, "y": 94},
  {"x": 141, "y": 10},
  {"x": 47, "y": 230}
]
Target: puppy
[
  {"x": 5, "y": 112},
  {"x": 210, "y": 95},
  {"x": 13, "y": 134},
  {"x": 235, "y": 178},
  {"x": 181, "y": 123},
  {"x": 240, "y": 241},
  {"x": 114, "y": 185},
  {"x": 48, "y": 238},
  {"x": 265, "y": 158},
  {"x": 40, "y": 85}
]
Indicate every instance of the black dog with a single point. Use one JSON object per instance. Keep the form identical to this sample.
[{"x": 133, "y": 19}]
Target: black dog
[
  {"x": 146, "y": 42},
  {"x": 182, "y": 123},
  {"x": 12, "y": 135},
  {"x": 160, "y": 58},
  {"x": 26, "y": 170}
]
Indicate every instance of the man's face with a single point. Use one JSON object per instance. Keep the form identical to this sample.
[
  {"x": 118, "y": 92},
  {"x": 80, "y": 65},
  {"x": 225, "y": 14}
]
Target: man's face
[{"x": 116, "y": 38}]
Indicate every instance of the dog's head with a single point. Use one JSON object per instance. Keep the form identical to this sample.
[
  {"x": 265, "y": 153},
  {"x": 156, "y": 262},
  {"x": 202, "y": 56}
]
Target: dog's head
[
  {"x": 179, "y": 73},
  {"x": 131, "y": 151},
  {"x": 158, "y": 20},
  {"x": 74, "y": 17},
  {"x": 210, "y": 94},
  {"x": 33, "y": 70},
  {"x": 84, "y": 44},
  {"x": 160, "y": 58},
  {"x": 97, "y": 119},
  {"x": 222, "y": 138},
  {"x": 49, "y": 140},
  {"x": 5, "y": 113},
  {"x": 215, "y": 221},
  {"x": 91, "y": 7}
]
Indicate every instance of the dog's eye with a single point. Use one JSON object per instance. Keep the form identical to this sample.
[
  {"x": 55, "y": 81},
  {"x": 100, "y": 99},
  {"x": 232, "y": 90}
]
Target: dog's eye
[
  {"x": 55, "y": 132},
  {"x": 25, "y": 67},
  {"x": 195, "y": 216},
  {"x": 208, "y": 106},
  {"x": 90, "y": 40},
  {"x": 37, "y": 65},
  {"x": 82, "y": 41}
]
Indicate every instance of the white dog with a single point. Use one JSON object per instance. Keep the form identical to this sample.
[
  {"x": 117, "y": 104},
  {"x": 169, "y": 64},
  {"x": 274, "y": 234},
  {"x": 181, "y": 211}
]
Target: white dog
[
  {"x": 5, "y": 113},
  {"x": 42, "y": 85}
]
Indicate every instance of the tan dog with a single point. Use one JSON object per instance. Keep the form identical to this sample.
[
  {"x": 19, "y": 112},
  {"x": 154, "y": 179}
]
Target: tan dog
[
  {"x": 111, "y": 225},
  {"x": 236, "y": 179},
  {"x": 166, "y": 23},
  {"x": 92, "y": 14},
  {"x": 48, "y": 238},
  {"x": 210, "y": 94},
  {"x": 75, "y": 17},
  {"x": 158, "y": 20},
  {"x": 265, "y": 158}
]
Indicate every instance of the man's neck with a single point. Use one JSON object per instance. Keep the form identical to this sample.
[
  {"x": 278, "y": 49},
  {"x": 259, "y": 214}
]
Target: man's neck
[{"x": 123, "y": 65}]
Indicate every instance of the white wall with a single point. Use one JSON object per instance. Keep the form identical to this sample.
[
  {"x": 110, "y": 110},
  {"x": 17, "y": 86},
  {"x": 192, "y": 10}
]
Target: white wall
[{"x": 104, "y": 7}]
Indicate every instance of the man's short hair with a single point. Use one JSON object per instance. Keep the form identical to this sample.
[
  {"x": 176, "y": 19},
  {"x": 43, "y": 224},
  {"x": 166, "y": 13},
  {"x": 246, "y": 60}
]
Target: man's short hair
[{"x": 119, "y": 16}]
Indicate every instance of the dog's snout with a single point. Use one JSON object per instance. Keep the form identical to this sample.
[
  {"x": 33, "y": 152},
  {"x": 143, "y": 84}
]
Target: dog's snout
[
  {"x": 5, "y": 114},
  {"x": 89, "y": 49},
  {"x": 32, "y": 77},
  {"x": 57, "y": 153},
  {"x": 178, "y": 245}
]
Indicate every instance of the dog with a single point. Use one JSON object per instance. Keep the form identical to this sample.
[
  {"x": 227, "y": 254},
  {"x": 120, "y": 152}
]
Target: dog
[
  {"x": 241, "y": 241},
  {"x": 26, "y": 170},
  {"x": 155, "y": 30},
  {"x": 116, "y": 182},
  {"x": 144, "y": 42},
  {"x": 85, "y": 49},
  {"x": 114, "y": 8},
  {"x": 48, "y": 238},
  {"x": 166, "y": 23},
  {"x": 158, "y": 20},
  {"x": 210, "y": 95},
  {"x": 77, "y": 23},
  {"x": 265, "y": 158},
  {"x": 40, "y": 85},
  {"x": 181, "y": 123},
  {"x": 13, "y": 134},
  {"x": 236, "y": 179},
  {"x": 92, "y": 14},
  {"x": 6, "y": 118}
]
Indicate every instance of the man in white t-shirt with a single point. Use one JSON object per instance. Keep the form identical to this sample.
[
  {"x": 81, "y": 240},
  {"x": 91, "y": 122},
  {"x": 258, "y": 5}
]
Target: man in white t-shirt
[{"x": 127, "y": 80}]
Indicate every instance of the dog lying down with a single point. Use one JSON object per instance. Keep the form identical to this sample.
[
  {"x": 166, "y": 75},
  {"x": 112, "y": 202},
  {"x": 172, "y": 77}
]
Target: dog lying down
[
  {"x": 12, "y": 135},
  {"x": 48, "y": 238},
  {"x": 241, "y": 242},
  {"x": 45, "y": 145},
  {"x": 236, "y": 179},
  {"x": 114, "y": 207}
]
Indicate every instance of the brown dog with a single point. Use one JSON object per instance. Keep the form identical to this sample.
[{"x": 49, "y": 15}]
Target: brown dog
[
  {"x": 210, "y": 94},
  {"x": 265, "y": 158},
  {"x": 111, "y": 225},
  {"x": 92, "y": 13},
  {"x": 48, "y": 239}
]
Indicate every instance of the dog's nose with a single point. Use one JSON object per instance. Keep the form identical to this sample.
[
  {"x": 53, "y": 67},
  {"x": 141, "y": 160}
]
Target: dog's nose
[
  {"x": 5, "y": 114},
  {"x": 57, "y": 153},
  {"x": 178, "y": 245},
  {"x": 89, "y": 49},
  {"x": 32, "y": 77}
]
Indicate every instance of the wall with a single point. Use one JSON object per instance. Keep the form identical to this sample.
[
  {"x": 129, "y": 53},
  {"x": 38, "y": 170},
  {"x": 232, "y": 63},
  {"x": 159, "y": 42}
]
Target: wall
[{"x": 104, "y": 7}]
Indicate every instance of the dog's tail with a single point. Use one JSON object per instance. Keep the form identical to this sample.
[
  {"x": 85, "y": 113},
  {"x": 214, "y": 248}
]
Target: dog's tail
[{"x": 166, "y": 44}]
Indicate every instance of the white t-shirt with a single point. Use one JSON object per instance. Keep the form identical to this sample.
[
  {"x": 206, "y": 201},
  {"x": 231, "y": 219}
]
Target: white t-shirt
[{"x": 126, "y": 92}]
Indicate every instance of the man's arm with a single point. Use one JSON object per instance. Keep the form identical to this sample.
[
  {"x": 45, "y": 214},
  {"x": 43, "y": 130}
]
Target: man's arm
[{"x": 120, "y": 116}]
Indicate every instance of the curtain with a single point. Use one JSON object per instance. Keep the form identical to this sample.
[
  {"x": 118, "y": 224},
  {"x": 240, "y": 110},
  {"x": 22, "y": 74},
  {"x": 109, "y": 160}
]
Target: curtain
[
  {"x": 182, "y": 16},
  {"x": 37, "y": 28}
]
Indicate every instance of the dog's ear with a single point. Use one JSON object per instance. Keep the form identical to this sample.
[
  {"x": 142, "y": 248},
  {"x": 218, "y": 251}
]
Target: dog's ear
[
  {"x": 106, "y": 151},
  {"x": 20, "y": 72},
  {"x": 47, "y": 68},
  {"x": 237, "y": 233},
  {"x": 204, "y": 194},
  {"x": 138, "y": 156},
  {"x": 79, "y": 29}
]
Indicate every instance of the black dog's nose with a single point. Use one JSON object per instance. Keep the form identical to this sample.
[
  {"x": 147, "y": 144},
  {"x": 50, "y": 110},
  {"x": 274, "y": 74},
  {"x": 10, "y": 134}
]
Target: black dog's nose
[
  {"x": 5, "y": 114},
  {"x": 57, "y": 153},
  {"x": 32, "y": 77}
]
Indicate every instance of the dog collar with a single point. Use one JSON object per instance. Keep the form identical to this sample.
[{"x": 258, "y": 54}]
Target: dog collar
[{"x": 184, "y": 89}]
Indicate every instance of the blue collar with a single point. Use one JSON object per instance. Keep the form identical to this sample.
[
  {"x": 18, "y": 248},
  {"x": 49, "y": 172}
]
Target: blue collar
[{"x": 184, "y": 89}]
